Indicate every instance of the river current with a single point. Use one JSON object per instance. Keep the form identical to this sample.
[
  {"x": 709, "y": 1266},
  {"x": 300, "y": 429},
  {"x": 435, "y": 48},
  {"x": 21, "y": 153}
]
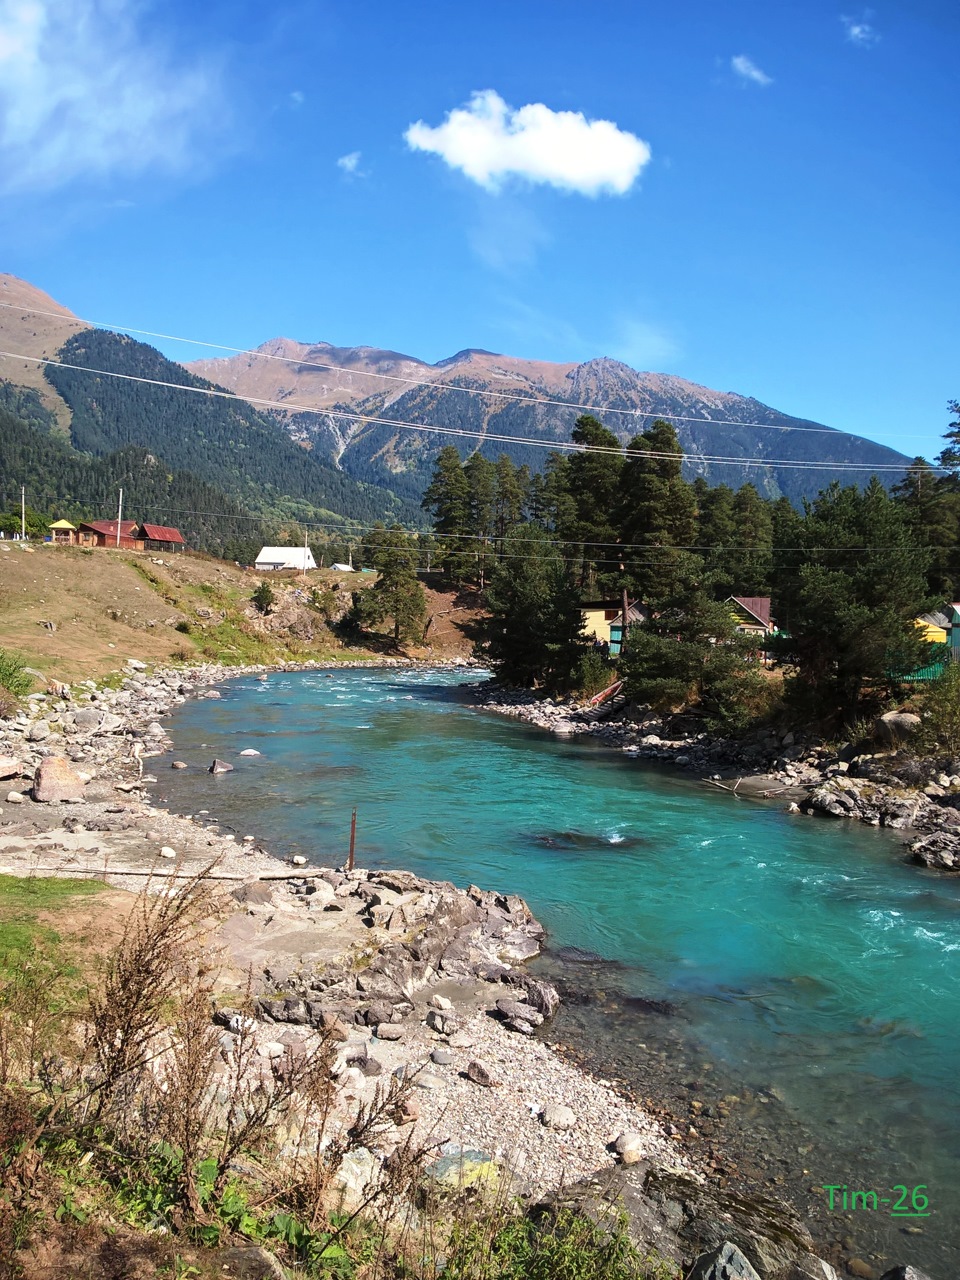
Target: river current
[{"x": 801, "y": 961}]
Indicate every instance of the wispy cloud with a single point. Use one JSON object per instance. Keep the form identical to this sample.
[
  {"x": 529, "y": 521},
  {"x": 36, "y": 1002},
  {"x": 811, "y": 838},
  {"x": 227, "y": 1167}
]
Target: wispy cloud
[
  {"x": 506, "y": 234},
  {"x": 84, "y": 94},
  {"x": 350, "y": 164},
  {"x": 860, "y": 30},
  {"x": 748, "y": 70},
  {"x": 491, "y": 142},
  {"x": 297, "y": 98},
  {"x": 642, "y": 345}
]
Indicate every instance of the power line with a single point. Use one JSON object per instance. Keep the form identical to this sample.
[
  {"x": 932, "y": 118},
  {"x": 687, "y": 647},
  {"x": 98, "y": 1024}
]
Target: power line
[
  {"x": 483, "y": 436},
  {"x": 415, "y": 382}
]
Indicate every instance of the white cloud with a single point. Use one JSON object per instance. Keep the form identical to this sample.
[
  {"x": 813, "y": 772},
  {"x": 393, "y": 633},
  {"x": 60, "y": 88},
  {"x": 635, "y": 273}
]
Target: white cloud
[
  {"x": 747, "y": 69},
  {"x": 83, "y": 95},
  {"x": 643, "y": 345},
  {"x": 351, "y": 164},
  {"x": 859, "y": 30},
  {"x": 491, "y": 142},
  {"x": 297, "y": 98}
]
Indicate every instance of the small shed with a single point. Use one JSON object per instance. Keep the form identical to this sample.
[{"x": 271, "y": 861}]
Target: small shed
[
  {"x": 162, "y": 537},
  {"x": 273, "y": 558},
  {"x": 103, "y": 533},
  {"x": 63, "y": 533},
  {"x": 343, "y": 568}
]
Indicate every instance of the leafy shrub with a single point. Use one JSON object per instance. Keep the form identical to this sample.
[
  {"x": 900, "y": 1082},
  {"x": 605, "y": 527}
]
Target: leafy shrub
[
  {"x": 15, "y": 683},
  {"x": 593, "y": 675},
  {"x": 941, "y": 712}
]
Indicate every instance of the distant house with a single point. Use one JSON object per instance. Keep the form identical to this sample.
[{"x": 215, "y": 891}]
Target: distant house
[
  {"x": 103, "y": 533},
  {"x": 343, "y": 568},
  {"x": 936, "y": 627},
  {"x": 603, "y": 621},
  {"x": 162, "y": 537},
  {"x": 299, "y": 558},
  {"x": 63, "y": 533},
  {"x": 752, "y": 614}
]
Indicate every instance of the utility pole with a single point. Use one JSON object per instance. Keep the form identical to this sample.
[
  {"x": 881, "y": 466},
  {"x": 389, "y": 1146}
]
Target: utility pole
[
  {"x": 23, "y": 512},
  {"x": 119, "y": 516},
  {"x": 304, "y": 553}
]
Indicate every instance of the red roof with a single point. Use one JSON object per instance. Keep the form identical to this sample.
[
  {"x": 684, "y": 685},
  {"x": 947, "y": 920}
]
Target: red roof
[
  {"x": 161, "y": 533},
  {"x": 759, "y": 606},
  {"x": 128, "y": 528}
]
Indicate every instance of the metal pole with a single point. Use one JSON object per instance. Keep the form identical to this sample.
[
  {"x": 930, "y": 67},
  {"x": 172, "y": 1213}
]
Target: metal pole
[
  {"x": 304, "y": 553},
  {"x": 23, "y": 512},
  {"x": 353, "y": 840},
  {"x": 119, "y": 516}
]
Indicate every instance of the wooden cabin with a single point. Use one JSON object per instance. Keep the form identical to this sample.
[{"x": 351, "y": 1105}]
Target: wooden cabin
[{"x": 103, "y": 533}]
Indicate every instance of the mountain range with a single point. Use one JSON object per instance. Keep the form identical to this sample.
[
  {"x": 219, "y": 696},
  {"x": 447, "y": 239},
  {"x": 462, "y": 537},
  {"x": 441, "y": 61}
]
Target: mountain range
[
  {"x": 353, "y": 414},
  {"x": 535, "y": 401}
]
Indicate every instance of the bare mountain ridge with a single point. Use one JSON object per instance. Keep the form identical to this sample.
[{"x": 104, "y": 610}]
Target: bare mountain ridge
[
  {"x": 528, "y": 399},
  {"x": 534, "y": 399}
]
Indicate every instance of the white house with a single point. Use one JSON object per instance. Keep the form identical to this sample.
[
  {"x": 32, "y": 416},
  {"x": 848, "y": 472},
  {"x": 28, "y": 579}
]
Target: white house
[
  {"x": 299, "y": 558},
  {"x": 343, "y": 568}
]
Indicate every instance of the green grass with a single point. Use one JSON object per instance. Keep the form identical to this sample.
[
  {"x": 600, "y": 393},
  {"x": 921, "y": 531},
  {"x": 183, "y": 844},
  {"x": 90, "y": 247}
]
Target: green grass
[{"x": 22, "y": 899}]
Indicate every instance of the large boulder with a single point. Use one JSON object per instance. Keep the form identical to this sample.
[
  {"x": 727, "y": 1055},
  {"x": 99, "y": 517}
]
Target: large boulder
[
  {"x": 9, "y": 767},
  {"x": 940, "y": 851},
  {"x": 896, "y": 726},
  {"x": 55, "y": 780},
  {"x": 725, "y": 1263}
]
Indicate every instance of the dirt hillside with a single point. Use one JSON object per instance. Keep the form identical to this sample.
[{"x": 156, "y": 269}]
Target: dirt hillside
[{"x": 78, "y": 614}]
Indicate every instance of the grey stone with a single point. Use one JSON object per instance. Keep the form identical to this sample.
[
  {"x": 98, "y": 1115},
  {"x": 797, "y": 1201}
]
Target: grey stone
[
  {"x": 905, "y": 1273},
  {"x": 388, "y": 1031},
  {"x": 38, "y": 731},
  {"x": 556, "y": 1116},
  {"x": 725, "y": 1263},
  {"x": 445, "y": 1024},
  {"x": 9, "y": 767},
  {"x": 441, "y": 1057},
  {"x": 515, "y": 1009},
  {"x": 178, "y": 764},
  {"x": 14, "y": 797},
  {"x": 379, "y": 1012},
  {"x": 249, "y": 1262},
  {"x": 220, "y": 766}
]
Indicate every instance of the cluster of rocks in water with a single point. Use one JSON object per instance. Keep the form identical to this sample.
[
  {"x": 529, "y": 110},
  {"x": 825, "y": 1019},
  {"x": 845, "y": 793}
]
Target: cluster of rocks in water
[{"x": 884, "y": 785}]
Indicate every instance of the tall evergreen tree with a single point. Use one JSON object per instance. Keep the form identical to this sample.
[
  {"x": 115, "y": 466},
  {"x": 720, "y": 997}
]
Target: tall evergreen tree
[
  {"x": 534, "y": 634},
  {"x": 585, "y": 517},
  {"x": 397, "y": 594},
  {"x": 932, "y": 506},
  {"x": 656, "y": 513},
  {"x": 751, "y": 561},
  {"x": 447, "y": 498},
  {"x": 848, "y": 598},
  {"x": 481, "y": 475}
]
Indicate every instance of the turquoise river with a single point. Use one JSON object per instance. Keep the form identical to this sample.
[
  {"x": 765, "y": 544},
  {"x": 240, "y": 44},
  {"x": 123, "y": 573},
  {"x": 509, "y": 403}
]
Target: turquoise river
[{"x": 708, "y": 944}]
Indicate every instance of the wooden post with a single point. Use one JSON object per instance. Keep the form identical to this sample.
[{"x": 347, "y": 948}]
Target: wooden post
[
  {"x": 353, "y": 840},
  {"x": 623, "y": 629}
]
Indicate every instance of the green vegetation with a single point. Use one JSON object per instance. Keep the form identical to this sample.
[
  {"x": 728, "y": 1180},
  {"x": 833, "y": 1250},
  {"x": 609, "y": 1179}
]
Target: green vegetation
[
  {"x": 396, "y": 595},
  {"x": 848, "y": 575},
  {"x": 15, "y": 681},
  {"x": 22, "y": 936},
  {"x": 263, "y": 597}
]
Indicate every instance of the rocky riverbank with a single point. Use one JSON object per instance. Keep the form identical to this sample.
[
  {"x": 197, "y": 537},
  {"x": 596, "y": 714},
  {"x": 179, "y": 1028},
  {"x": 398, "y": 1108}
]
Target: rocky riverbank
[
  {"x": 883, "y": 784},
  {"x": 417, "y": 980}
]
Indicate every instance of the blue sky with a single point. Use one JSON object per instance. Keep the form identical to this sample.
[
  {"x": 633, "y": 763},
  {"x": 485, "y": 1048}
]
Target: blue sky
[{"x": 771, "y": 206}]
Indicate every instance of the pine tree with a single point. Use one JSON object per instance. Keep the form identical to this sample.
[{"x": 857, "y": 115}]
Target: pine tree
[
  {"x": 534, "y": 634},
  {"x": 447, "y": 498},
  {"x": 397, "y": 594},
  {"x": 656, "y": 513},
  {"x": 848, "y": 597}
]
